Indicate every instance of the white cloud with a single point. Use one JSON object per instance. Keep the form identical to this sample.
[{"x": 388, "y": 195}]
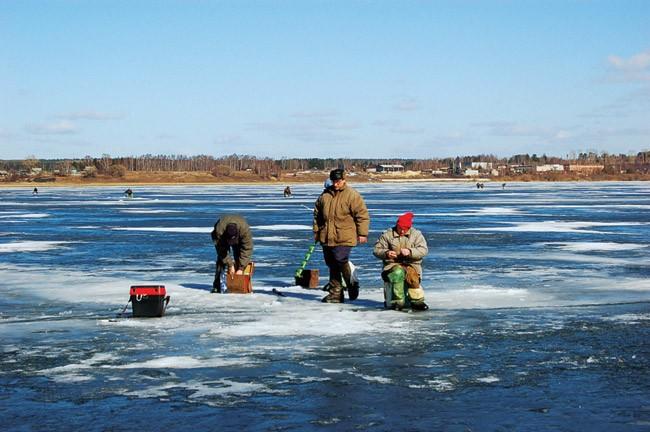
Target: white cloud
[
  {"x": 634, "y": 68},
  {"x": 406, "y": 104},
  {"x": 636, "y": 102},
  {"x": 397, "y": 127},
  {"x": 227, "y": 139},
  {"x": 90, "y": 115},
  {"x": 387, "y": 123},
  {"x": 325, "y": 127},
  {"x": 512, "y": 129},
  {"x": 315, "y": 114},
  {"x": 616, "y": 132},
  {"x": 405, "y": 130},
  {"x": 63, "y": 127},
  {"x": 165, "y": 137}
]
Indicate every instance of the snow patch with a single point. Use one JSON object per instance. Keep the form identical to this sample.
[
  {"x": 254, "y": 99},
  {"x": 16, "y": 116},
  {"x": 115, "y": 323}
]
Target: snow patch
[
  {"x": 167, "y": 229},
  {"x": 594, "y": 246},
  {"x": 30, "y": 246}
]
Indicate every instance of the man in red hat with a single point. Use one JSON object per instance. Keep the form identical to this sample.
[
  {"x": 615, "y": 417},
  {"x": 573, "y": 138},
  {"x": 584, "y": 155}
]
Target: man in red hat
[
  {"x": 401, "y": 248},
  {"x": 341, "y": 221}
]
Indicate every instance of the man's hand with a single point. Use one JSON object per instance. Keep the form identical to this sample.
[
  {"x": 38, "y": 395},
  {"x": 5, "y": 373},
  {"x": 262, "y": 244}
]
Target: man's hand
[
  {"x": 391, "y": 254},
  {"x": 405, "y": 252},
  {"x": 239, "y": 272},
  {"x": 362, "y": 239},
  {"x": 231, "y": 270}
]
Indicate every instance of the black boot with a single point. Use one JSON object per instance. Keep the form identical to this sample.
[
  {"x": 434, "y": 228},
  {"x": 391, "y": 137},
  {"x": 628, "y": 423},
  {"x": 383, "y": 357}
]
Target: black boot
[
  {"x": 420, "y": 306},
  {"x": 335, "y": 293}
]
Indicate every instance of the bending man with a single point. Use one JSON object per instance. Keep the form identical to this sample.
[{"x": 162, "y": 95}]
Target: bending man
[
  {"x": 231, "y": 232},
  {"x": 401, "y": 249}
]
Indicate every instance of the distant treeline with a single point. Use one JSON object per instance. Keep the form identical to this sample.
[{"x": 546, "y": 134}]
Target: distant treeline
[{"x": 265, "y": 167}]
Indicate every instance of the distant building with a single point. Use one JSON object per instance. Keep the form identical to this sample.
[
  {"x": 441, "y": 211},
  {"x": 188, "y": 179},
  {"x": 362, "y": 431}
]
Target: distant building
[
  {"x": 521, "y": 169},
  {"x": 585, "y": 168},
  {"x": 482, "y": 165},
  {"x": 390, "y": 168},
  {"x": 471, "y": 172},
  {"x": 549, "y": 168}
]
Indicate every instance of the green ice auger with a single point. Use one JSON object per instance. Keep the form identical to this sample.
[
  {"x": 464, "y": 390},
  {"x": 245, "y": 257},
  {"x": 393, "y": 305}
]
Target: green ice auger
[{"x": 305, "y": 260}]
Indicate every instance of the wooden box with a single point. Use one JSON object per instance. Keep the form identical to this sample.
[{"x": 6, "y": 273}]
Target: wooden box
[
  {"x": 308, "y": 279},
  {"x": 240, "y": 284}
]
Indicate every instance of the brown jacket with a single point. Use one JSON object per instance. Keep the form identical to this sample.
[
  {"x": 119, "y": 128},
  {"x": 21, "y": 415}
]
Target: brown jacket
[
  {"x": 413, "y": 240},
  {"x": 340, "y": 217}
]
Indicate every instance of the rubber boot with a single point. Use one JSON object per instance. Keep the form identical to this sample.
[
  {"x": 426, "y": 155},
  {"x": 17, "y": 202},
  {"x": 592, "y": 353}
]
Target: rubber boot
[
  {"x": 396, "y": 278},
  {"x": 388, "y": 294},
  {"x": 335, "y": 293},
  {"x": 216, "y": 284},
  {"x": 353, "y": 286},
  {"x": 416, "y": 299},
  {"x": 419, "y": 306}
]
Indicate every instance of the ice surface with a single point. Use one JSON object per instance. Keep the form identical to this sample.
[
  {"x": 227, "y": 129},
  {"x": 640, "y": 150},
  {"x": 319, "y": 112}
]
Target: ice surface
[
  {"x": 167, "y": 229},
  {"x": 595, "y": 246},
  {"x": 534, "y": 284},
  {"x": 30, "y": 246},
  {"x": 282, "y": 227},
  {"x": 145, "y": 211},
  {"x": 16, "y": 215},
  {"x": 555, "y": 226}
]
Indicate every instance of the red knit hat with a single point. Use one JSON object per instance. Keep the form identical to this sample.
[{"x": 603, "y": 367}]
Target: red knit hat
[{"x": 405, "y": 221}]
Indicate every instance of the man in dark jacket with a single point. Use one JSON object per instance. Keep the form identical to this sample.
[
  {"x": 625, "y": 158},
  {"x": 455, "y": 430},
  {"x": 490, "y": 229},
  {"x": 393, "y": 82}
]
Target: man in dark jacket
[
  {"x": 231, "y": 232},
  {"x": 340, "y": 221}
]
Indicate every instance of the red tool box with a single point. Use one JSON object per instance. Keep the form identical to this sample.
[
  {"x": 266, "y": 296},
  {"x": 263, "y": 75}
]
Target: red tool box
[{"x": 149, "y": 300}]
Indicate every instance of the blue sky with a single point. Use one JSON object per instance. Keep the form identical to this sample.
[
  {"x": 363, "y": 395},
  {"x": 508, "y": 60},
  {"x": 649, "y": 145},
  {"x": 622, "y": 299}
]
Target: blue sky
[{"x": 380, "y": 79}]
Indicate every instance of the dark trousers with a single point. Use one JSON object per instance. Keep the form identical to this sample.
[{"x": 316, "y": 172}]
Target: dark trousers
[{"x": 336, "y": 258}]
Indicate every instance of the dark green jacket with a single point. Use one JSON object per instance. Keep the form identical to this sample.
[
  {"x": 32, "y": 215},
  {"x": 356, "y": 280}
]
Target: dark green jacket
[{"x": 245, "y": 241}]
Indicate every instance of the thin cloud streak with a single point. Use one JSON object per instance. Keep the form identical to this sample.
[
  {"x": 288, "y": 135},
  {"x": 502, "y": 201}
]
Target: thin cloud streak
[
  {"x": 406, "y": 104},
  {"x": 63, "y": 127},
  {"x": 90, "y": 115},
  {"x": 634, "y": 68},
  {"x": 512, "y": 129}
]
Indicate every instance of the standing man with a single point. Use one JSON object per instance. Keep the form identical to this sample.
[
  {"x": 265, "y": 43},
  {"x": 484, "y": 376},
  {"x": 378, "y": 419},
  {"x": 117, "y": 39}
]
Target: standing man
[
  {"x": 231, "y": 232},
  {"x": 340, "y": 221},
  {"x": 401, "y": 249},
  {"x": 287, "y": 192}
]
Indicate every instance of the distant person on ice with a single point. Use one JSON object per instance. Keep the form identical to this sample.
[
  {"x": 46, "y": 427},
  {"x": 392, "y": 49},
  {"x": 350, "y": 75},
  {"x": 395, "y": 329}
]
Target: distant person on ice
[
  {"x": 231, "y": 233},
  {"x": 35, "y": 191},
  {"x": 128, "y": 193},
  {"x": 340, "y": 221},
  {"x": 287, "y": 192},
  {"x": 401, "y": 248}
]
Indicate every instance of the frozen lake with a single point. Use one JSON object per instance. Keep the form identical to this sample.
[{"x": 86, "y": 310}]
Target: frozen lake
[{"x": 539, "y": 320}]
